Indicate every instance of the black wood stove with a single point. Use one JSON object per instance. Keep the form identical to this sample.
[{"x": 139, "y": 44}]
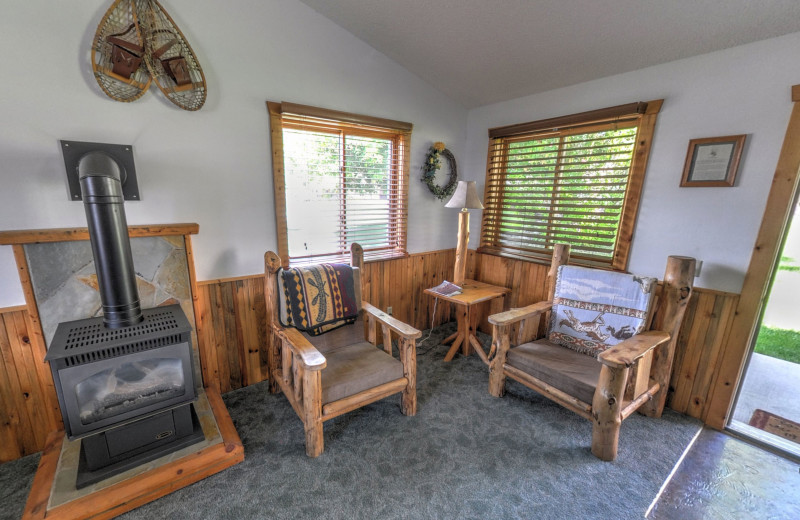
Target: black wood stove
[{"x": 125, "y": 381}]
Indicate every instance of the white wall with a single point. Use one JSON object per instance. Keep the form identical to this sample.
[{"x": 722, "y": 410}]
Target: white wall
[
  {"x": 744, "y": 90},
  {"x": 213, "y": 166}
]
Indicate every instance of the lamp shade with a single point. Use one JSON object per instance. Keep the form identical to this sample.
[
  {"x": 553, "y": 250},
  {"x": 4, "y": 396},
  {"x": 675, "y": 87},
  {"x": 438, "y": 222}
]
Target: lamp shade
[{"x": 466, "y": 196}]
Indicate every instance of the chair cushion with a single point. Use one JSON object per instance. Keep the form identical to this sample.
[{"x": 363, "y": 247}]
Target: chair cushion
[
  {"x": 567, "y": 370},
  {"x": 346, "y": 335},
  {"x": 355, "y": 368},
  {"x": 594, "y": 310}
]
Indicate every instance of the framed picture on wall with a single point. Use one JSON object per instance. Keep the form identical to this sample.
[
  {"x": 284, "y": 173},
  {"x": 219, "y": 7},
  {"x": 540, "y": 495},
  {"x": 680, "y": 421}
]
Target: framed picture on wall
[{"x": 712, "y": 161}]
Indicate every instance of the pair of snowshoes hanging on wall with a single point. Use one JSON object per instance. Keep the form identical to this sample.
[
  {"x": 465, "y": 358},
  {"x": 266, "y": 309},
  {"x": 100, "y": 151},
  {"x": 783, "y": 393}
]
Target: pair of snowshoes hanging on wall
[{"x": 137, "y": 43}]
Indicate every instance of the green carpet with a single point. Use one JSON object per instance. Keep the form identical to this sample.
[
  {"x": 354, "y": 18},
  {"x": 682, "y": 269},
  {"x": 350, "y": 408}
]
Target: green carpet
[{"x": 464, "y": 455}]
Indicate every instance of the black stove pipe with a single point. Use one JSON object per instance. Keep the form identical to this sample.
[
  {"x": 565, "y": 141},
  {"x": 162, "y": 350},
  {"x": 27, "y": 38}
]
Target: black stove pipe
[{"x": 101, "y": 188}]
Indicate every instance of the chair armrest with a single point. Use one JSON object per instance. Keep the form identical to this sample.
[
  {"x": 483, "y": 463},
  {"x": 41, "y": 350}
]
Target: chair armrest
[
  {"x": 402, "y": 329},
  {"x": 626, "y": 353},
  {"x": 515, "y": 315},
  {"x": 310, "y": 357}
]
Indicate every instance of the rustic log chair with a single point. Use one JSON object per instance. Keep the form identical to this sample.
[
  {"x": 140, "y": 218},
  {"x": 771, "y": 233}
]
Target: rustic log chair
[
  {"x": 631, "y": 375},
  {"x": 334, "y": 373}
]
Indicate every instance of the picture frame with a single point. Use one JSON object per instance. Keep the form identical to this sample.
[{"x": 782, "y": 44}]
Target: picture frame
[{"x": 712, "y": 161}]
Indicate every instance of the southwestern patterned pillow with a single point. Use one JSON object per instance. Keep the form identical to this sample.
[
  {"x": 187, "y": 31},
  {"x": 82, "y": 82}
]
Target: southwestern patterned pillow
[
  {"x": 594, "y": 310},
  {"x": 317, "y": 298}
]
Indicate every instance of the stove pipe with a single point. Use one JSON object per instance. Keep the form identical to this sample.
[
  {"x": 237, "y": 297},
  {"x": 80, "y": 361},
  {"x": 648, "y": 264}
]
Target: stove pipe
[{"x": 101, "y": 188}]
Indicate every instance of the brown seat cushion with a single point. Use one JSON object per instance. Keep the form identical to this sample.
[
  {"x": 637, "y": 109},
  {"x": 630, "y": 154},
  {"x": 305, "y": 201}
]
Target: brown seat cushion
[
  {"x": 563, "y": 368},
  {"x": 346, "y": 335},
  {"x": 355, "y": 368}
]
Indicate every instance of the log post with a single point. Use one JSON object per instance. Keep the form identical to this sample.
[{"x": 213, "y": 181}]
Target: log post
[
  {"x": 298, "y": 376},
  {"x": 357, "y": 262},
  {"x": 560, "y": 257},
  {"x": 467, "y": 319},
  {"x": 356, "y": 256},
  {"x": 462, "y": 340},
  {"x": 460, "y": 269},
  {"x": 606, "y": 412},
  {"x": 372, "y": 330},
  {"x": 500, "y": 344},
  {"x": 272, "y": 263},
  {"x": 408, "y": 356},
  {"x": 678, "y": 282},
  {"x": 312, "y": 412},
  {"x": 286, "y": 361},
  {"x": 387, "y": 339}
]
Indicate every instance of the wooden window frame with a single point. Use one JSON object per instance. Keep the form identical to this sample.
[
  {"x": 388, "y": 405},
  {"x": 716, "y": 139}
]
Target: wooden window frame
[
  {"x": 643, "y": 114},
  {"x": 368, "y": 126}
]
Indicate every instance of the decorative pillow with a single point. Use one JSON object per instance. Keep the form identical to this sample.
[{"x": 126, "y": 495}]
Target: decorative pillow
[
  {"x": 317, "y": 299},
  {"x": 594, "y": 309}
]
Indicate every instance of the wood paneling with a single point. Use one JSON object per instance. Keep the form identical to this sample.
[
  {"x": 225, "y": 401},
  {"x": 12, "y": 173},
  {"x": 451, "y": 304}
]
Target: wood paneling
[
  {"x": 232, "y": 330},
  {"x": 231, "y": 319},
  {"x": 398, "y": 283},
  {"x": 26, "y": 416},
  {"x": 703, "y": 335}
]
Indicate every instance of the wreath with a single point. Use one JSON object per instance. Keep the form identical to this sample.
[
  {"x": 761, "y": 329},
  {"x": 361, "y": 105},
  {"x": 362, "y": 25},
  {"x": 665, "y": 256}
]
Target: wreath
[{"x": 433, "y": 163}]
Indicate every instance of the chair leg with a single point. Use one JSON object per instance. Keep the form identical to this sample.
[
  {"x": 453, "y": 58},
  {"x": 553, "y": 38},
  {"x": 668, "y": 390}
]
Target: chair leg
[
  {"x": 606, "y": 408},
  {"x": 408, "y": 355},
  {"x": 273, "y": 362},
  {"x": 312, "y": 412},
  {"x": 497, "y": 358}
]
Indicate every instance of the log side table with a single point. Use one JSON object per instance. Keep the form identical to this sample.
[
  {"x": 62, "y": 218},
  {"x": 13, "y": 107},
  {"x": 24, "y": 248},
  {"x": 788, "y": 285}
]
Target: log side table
[{"x": 472, "y": 293}]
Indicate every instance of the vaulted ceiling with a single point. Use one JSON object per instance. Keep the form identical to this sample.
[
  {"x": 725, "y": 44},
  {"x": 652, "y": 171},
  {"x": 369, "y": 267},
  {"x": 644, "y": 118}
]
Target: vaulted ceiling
[{"x": 484, "y": 51}]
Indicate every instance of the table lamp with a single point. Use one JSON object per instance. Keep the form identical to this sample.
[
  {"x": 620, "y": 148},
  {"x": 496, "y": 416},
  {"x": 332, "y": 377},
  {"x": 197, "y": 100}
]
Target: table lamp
[{"x": 466, "y": 198}]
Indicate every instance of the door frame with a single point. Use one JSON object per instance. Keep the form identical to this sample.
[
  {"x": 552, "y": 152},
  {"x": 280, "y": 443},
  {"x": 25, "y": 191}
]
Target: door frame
[{"x": 759, "y": 273}]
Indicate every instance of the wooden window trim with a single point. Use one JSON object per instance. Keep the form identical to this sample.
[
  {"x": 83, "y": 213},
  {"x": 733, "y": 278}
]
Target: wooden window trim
[
  {"x": 344, "y": 117},
  {"x": 356, "y": 124},
  {"x": 644, "y": 114},
  {"x": 592, "y": 116}
]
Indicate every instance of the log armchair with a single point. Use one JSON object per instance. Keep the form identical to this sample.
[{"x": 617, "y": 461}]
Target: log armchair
[
  {"x": 327, "y": 375},
  {"x": 609, "y": 343}
]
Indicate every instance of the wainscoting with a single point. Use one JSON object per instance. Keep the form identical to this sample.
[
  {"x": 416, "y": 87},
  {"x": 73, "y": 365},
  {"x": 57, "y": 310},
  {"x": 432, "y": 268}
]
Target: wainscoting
[
  {"x": 26, "y": 389},
  {"x": 232, "y": 336},
  {"x": 232, "y": 332}
]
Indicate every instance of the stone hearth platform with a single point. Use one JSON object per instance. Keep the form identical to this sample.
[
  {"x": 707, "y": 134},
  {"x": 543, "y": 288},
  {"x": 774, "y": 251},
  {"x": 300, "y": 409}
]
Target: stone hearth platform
[{"x": 54, "y": 496}]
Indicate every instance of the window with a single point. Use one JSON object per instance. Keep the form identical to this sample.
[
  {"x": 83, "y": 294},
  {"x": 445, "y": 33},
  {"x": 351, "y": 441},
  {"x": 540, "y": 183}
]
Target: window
[
  {"x": 573, "y": 179},
  {"x": 339, "y": 178}
]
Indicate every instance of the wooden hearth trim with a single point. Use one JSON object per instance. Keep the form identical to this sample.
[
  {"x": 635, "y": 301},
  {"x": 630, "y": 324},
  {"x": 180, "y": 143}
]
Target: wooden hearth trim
[
  {"x": 36, "y": 236},
  {"x": 38, "y": 346},
  {"x": 134, "y": 492}
]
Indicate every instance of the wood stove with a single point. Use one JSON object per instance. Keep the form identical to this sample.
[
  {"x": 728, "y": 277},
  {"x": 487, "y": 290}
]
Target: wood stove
[
  {"x": 126, "y": 392},
  {"x": 125, "y": 380}
]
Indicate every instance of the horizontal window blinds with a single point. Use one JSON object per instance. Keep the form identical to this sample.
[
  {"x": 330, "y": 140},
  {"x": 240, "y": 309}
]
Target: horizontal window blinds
[
  {"x": 568, "y": 184},
  {"x": 344, "y": 183}
]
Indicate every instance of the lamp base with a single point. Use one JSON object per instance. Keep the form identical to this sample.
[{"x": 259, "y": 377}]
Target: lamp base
[{"x": 461, "y": 249}]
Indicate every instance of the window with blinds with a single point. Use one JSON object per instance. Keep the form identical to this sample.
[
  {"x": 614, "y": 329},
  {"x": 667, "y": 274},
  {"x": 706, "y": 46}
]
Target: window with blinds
[
  {"x": 575, "y": 180},
  {"x": 344, "y": 179}
]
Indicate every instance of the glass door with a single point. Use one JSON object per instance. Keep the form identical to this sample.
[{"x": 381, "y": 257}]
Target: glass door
[{"x": 767, "y": 407}]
